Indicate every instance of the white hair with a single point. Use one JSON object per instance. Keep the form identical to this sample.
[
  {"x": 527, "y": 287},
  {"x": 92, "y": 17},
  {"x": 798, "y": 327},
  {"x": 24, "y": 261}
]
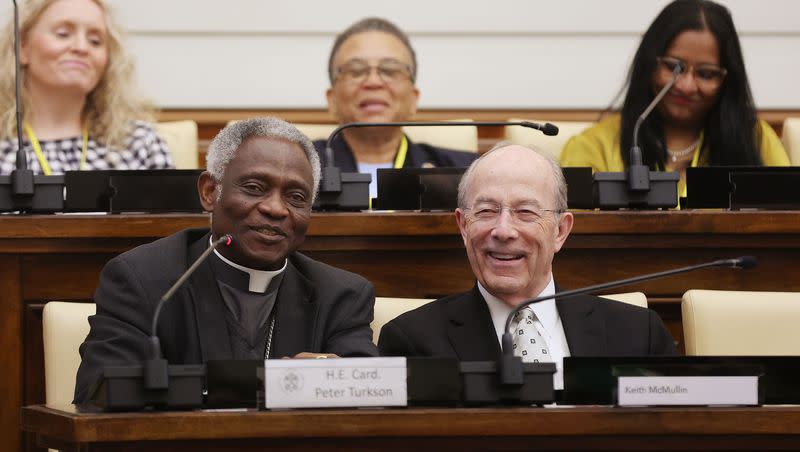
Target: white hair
[
  {"x": 224, "y": 146},
  {"x": 560, "y": 195}
]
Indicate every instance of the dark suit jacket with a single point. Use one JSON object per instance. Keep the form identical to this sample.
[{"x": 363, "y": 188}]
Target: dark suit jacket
[
  {"x": 461, "y": 326},
  {"x": 319, "y": 308},
  {"x": 419, "y": 155}
]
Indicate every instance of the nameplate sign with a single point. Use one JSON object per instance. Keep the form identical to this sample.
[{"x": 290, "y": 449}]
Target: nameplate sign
[
  {"x": 336, "y": 382},
  {"x": 687, "y": 391}
]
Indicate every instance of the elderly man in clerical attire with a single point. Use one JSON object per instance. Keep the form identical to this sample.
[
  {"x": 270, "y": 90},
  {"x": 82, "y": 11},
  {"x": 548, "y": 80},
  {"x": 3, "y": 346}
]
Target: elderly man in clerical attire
[{"x": 256, "y": 298}]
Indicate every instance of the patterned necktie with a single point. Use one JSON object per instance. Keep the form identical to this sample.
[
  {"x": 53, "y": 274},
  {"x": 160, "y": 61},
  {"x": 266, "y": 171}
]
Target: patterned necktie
[{"x": 528, "y": 341}]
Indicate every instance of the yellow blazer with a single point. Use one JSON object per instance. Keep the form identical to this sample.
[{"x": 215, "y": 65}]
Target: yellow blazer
[{"x": 598, "y": 148}]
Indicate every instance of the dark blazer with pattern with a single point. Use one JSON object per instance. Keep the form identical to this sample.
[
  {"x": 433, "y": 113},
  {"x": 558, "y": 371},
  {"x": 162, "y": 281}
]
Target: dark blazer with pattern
[
  {"x": 460, "y": 326},
  {"x": 419, "y": 155},
  {"x": 319, "y": 308}
]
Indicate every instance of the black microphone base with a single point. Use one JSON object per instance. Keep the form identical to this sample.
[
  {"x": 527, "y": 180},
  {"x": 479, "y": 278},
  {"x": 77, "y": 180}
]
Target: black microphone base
[
  {"x": 47, "y": 194},
  {"x": 123, "y": 388},
  {"x": 482, "y": 385},
  {"x": 611, "y": 191}
]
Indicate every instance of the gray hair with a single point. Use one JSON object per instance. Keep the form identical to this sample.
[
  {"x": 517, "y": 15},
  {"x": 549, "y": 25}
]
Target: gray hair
[
  {"x": 224, "y": 146},
  {"x": 372, "y": 24},
  {"x": 560, "y": 192}
]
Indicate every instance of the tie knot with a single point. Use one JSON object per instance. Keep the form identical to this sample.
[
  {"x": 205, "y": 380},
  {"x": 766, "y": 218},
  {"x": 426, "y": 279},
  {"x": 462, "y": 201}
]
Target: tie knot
[
  {"x": 528, "y": 340},
  {"x": 525, "y": 315}
]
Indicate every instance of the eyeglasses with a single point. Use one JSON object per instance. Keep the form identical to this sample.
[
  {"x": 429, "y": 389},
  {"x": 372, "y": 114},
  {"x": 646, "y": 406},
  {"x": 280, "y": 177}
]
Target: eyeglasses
[
  {"x": 707, "y": 76},
  {"x": 389, "y": 70},
  {"x": 489, "y": 213}
]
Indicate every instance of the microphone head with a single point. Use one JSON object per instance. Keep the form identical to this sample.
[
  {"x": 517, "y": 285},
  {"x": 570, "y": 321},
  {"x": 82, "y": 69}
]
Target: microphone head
[
  {"x": 550, "y": 129},
  {"x": 745, "y": 262}
]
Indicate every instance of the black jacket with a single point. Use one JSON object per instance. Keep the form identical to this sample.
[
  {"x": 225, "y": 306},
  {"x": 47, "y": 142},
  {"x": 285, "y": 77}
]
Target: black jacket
[
  {"x": 460, "y": 326},
  {"x": 319, "y": 308},
  {"x": 419, "y": 155}
]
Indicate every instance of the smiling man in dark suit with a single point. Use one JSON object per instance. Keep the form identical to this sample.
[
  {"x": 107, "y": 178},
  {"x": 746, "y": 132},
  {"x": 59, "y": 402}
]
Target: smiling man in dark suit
[
  {"x": 253, "y": 299},
  {"x": 513, "y": 219}
]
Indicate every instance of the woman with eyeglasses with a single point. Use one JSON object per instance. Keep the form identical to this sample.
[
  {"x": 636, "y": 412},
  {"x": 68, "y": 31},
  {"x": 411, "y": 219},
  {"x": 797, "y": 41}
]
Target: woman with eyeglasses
[
  {"x": 707, "y": 118},
  {"x": 373, "y": 69},
  {"x": 80, "y": 109}
]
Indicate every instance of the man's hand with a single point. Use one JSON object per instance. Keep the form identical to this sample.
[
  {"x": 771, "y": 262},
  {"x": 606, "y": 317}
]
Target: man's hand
[{"x": 308, "y": 355}]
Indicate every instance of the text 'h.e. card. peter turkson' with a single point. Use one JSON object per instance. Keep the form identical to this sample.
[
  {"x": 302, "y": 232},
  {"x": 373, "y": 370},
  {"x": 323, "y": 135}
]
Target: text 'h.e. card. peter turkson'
[{"x": 339, "y": 382}]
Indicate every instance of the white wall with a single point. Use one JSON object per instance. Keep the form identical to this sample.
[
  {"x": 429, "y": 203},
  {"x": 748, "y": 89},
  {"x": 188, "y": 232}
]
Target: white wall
[{"x": 534, "y": 54}]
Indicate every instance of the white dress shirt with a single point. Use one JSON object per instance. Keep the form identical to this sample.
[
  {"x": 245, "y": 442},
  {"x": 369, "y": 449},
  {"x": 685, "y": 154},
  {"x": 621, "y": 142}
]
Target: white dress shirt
[{"x": 547, "y": 313}]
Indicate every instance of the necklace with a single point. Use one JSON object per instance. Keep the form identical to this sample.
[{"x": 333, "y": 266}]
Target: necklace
[{"x": 675, "y": 155}]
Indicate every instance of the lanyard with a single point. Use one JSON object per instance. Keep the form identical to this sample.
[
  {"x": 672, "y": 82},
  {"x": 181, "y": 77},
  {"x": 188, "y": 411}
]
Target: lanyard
[
  {"x": 37, "y": 148},
  {"x": 400, "y": 159}
]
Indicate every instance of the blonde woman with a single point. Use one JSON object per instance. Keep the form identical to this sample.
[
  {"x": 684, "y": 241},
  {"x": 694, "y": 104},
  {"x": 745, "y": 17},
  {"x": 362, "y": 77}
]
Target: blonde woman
[{"x": 80, "y": 108}]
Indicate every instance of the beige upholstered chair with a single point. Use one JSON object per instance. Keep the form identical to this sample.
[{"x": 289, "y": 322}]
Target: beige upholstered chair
[
  {"x": 460, "y": 138},
  {"x": 791, "y": 139},
  {"x": 719, "y": 322},
  {"x": 181, "y": 137},
  {"x": 387, "y": 309},
  {"x": 316, "y": 131},
  {"x": 65, "y": 326},
  {"x": 634, "y": 298},
  {"x": 549, "y": 145}
]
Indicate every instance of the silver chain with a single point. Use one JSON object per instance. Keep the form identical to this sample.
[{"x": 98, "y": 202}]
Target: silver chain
[{"x": 269, "y": 337}]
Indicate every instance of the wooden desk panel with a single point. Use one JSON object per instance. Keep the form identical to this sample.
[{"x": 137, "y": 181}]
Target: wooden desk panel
[
  {"x": 404, "y": 254},
  {"x": 468, "y": 429}
]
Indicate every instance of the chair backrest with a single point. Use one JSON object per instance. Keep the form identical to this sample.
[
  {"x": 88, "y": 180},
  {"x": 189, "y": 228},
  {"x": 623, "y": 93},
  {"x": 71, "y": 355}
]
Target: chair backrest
[
  {"x": 721, "y": 322},
  {"x": 64, "y": 328},
  {"x": 791, "y": 139},
  {"x": 460, "y": 138},
  {"x": 634, "y": 298},
  {"x": 387, "y": 309},
  {"x": 549, "y": 145},
  {"x": 181, "y": 137}
]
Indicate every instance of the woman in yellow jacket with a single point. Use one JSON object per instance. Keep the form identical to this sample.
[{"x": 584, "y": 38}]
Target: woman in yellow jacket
[{"x": 708, "y": 117}]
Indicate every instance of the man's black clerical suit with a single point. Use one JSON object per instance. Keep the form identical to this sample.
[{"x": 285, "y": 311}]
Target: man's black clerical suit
[{"x": 318, "y": 308}]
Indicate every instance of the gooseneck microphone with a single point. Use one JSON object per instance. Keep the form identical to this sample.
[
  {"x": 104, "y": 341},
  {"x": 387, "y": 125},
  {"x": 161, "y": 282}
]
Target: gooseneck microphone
[
  {"x": 511, "y": 372},
  {"x": 340, "y": 191},
  {"x": 22, "y": 191},
  {"x": 21, "y": 176},
  {"x": 156, "y": 374},
  {"x": 638, "y": 173},
  {"x": 546, "y": 128}
]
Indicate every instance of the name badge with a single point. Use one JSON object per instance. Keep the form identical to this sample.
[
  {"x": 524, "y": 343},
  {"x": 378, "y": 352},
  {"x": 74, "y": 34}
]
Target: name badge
[
  {"x": 336, "y": 382},
  {"x": 687, "y": 391}
]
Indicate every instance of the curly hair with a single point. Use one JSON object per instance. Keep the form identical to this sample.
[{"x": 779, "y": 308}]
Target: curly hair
[
  {"x": 111, "y": 107},
  {"x": 224, "y": 146},
  {"x": 372, "y": 24}
]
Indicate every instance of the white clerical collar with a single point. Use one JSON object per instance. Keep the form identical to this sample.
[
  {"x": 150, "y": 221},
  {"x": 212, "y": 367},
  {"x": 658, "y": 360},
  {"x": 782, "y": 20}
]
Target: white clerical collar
[
  {"x": 545, "y": 310},
  {"x": 259, "y": 279}
]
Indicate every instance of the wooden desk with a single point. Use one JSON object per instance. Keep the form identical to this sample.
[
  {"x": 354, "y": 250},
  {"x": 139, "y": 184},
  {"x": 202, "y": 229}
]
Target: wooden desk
[
  {"x": 467, "y": 429},
  {"x": 59, "y": 257}
]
